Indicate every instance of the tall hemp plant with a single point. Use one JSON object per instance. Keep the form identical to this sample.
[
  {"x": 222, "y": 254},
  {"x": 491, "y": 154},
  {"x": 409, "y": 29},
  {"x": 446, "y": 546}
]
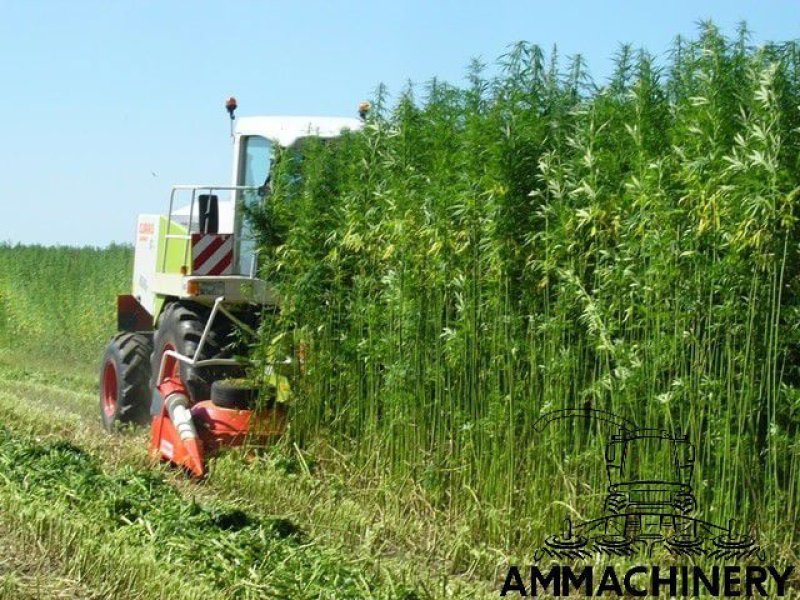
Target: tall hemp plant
[{"x": 534, "y": 241}]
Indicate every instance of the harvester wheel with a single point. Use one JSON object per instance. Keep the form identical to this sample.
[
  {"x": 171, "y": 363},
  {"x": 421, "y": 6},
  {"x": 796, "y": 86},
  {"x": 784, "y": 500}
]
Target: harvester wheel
[
  {"x": 124, "y": 377},
  {"x": 180, "y": 328}
]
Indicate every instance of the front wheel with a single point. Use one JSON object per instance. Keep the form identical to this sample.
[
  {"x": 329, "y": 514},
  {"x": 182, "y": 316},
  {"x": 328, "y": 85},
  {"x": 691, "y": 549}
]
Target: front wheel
[
  {"x": 179, "y": 329},
  {"x": 124, "y": 381}
]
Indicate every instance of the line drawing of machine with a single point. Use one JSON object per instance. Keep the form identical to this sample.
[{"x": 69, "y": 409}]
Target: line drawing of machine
[{"x": 641, "y": 512}]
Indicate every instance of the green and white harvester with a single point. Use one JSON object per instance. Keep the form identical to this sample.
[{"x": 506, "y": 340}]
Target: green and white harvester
[{"x": 173, "y": 363}]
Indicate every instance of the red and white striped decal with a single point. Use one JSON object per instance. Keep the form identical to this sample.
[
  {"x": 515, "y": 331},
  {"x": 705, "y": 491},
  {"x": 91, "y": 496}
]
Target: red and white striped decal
[{"x": 212, "y": 254}]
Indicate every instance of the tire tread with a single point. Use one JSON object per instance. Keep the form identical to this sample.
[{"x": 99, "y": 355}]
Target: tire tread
[{"x": 130, "y": 352}]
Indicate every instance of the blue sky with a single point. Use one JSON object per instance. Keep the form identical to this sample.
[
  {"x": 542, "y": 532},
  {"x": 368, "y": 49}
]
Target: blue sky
[{"x": 103, "y": 105}]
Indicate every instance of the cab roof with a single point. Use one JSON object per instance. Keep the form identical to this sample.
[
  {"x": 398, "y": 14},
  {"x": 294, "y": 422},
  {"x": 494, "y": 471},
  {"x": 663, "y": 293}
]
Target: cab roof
[{"x": 286, "y": 130}]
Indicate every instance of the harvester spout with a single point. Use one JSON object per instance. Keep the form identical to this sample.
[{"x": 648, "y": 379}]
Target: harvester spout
[{"x": 181, "y": 417}]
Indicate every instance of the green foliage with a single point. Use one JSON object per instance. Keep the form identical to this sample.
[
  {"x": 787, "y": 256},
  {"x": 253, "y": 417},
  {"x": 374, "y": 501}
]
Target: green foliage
[
  {"x": 60, "y": 301},
  {"x": 197, "y": 550},
  {"x": 534, "y": 242}
]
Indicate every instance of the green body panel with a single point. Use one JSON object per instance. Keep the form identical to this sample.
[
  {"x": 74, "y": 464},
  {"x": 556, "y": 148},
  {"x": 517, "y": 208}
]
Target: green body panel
[
  {"x": 177, "y": 252},
  {"x": 158, "y": 307}
]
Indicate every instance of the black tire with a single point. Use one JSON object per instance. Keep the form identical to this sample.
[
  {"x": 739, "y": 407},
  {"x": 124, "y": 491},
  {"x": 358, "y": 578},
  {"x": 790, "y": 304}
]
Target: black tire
[
  {"x": 234, "y": 393},
  {"x": 181, "y": 327},
  {"x": 124, "y": 381}
]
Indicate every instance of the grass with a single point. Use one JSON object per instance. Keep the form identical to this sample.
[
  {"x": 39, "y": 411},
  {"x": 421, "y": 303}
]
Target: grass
[
  {"x": 33, "y": 575},
  {"x": 135, "y": 531}
]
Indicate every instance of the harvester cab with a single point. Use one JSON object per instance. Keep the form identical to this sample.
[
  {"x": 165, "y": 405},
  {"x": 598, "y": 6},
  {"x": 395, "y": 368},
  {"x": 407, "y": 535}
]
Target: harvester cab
[{"x": 175, "y": 362}]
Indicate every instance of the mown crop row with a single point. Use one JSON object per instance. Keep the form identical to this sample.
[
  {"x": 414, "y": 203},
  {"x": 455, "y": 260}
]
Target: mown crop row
[
  {"x": 535, "y": 241},
  {"x": 131, "y": 534}
]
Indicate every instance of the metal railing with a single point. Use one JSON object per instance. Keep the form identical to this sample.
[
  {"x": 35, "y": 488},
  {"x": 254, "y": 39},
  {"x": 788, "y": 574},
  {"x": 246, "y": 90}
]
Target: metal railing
[
  {"x": 194, "y": 189},
  {"x": 194, "y": 361}
]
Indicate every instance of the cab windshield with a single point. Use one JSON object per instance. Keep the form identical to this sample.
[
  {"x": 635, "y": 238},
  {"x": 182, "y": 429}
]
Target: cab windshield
[{"x": 256, "y": 159}]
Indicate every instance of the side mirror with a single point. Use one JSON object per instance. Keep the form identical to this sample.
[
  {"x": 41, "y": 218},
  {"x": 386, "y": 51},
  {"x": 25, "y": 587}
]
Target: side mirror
[{"x": 208, "y": 207}]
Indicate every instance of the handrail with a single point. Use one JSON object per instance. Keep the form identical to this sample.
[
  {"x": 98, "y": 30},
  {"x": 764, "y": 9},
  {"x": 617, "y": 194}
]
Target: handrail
[
  {"x": 195, "y": 361},
  {"x": 193, "y": 189}
]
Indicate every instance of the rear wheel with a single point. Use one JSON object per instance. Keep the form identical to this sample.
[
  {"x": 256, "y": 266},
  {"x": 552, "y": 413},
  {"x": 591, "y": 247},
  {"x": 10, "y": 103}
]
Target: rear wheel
[
  {"x": 180, "y": 328},
  {"x": 124, "y": 377}
]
